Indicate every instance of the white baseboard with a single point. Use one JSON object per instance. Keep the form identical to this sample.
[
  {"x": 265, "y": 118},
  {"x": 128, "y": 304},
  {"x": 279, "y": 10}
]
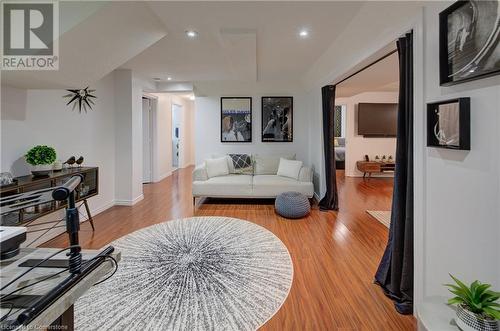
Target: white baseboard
[
  {"x": 60, "y": 230},
  {"x": 129, "y": 202},
  {"x": 374, "y": 175},
  {"x": 163, "y": 176},
  {"x": 96, "y": 211}
]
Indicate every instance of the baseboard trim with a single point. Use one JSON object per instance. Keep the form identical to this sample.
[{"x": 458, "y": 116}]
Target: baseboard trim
[
  {"x": 96, "y": 211},
  {"x": 129, "y": 202},
  {"x": 163, "y": 176},
  {"x": 83, "y": 218},
  {"x": 374, "y": 175}
]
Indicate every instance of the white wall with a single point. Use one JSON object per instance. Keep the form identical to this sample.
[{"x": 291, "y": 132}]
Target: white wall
[
  {"x": 353, "y": 49},
  {"x": 123, "y": 138},
  {"x": 462, "y": 188},
  {"x": 109, "y": 136},
  {"x": 356, "y": 145},
  {"x": 207, "y": 121},
  {"x": 164, "y": 133},
  {"x": 457, "y": 193},
  {"x": 163, "y": 148},
  {"x": 46, "y": 119}
]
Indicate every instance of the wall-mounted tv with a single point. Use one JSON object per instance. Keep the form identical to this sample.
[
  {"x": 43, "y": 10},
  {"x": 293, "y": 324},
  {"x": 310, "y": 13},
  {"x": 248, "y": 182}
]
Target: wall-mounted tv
[{"x": 377, "y": 119}]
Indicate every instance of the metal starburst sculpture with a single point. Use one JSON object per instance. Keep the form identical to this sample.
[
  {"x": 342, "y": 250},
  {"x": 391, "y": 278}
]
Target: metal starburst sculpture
[{"x": 82, "y": 98}]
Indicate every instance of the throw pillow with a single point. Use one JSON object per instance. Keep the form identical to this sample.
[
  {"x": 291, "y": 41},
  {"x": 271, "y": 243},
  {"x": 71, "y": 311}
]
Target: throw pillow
[
  {"x": 289, "y": 168},
  {"x": 228, "y": 159},
  {"x": 268, "y": 165},
  {"x": 217, "y": 167},
  {"x": 242, "y": 163}
]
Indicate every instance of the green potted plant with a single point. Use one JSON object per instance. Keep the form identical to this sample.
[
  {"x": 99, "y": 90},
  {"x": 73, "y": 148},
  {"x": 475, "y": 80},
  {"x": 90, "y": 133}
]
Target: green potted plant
[
  {"x": 41, "y": 158},
  {"x": 477, "y": 306}
]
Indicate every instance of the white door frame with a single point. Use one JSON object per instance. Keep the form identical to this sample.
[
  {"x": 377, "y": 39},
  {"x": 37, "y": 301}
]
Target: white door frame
[
  {"x": 419, "y": 120},
  {"x": 181, "y": 116},
  {"x": 153, "y": 130}
]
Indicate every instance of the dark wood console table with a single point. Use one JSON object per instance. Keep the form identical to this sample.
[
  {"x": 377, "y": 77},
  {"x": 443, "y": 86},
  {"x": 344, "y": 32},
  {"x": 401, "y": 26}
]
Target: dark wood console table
[
  {"x": 369, "y": 167},
  {"x": 26, "y": 216}
]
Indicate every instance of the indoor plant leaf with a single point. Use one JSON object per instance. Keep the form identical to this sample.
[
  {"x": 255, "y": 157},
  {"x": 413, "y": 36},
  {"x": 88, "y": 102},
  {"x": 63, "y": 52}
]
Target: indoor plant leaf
[{"x": 492, "y": 313}]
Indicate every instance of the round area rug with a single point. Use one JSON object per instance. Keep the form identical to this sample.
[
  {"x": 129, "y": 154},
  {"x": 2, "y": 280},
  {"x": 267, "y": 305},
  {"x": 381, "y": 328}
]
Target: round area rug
[{"x": 200, "y": 273}]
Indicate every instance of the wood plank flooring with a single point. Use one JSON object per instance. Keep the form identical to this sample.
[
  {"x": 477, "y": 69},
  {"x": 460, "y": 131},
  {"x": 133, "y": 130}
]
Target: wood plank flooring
[{"x": 335, "y": 254}]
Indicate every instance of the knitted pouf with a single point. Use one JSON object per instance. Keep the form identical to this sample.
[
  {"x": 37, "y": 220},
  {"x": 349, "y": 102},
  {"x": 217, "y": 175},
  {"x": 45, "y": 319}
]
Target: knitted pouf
[{"x": 292, "y": 205}]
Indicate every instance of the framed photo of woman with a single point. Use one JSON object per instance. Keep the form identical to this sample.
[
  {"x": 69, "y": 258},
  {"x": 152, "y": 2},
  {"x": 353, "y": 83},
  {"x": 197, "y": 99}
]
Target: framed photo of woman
[
  {"x": 277, "y": 119},
  {"x": 236, "y": 119}
]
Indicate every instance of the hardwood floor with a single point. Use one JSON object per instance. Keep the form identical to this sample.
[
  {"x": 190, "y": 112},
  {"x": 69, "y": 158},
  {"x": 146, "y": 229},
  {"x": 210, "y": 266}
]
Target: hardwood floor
[{"x": 335, "y": 254}]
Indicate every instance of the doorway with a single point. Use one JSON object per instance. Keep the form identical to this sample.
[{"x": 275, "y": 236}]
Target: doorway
[
  {"x": 377, "y": 115},
  {"x": 148, "y": 112},
  {"x": 176, "y": 135}
]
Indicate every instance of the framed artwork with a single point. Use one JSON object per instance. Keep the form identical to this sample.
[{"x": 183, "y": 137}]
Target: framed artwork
[
  {"x": 469, "y": 35},
  {"x": 277, "y": 119},
  {"x": 236, "y": 119},
  {"x": 448, "y": 124}
]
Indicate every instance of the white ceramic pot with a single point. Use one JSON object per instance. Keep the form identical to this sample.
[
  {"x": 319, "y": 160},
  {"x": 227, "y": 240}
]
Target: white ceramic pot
[
  {"x": 41, "y": 169},
  {"x": 57, "y": 166},
  {"x": 468, "y": 321}
]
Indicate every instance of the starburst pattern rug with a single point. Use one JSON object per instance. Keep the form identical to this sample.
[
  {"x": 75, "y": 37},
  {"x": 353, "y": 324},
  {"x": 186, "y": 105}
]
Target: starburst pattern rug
[{"x": 200, "y": 273}]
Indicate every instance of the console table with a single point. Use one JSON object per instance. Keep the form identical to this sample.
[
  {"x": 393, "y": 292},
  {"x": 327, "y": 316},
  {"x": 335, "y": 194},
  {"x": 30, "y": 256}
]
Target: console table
[
  {"x": 26, "y": 216},
  {"x": 370, "y": 167}
]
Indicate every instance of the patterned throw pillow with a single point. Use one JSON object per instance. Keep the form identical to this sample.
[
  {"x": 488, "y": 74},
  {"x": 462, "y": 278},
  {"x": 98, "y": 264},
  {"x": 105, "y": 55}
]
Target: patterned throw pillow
[{"x": 242, "y": 163}]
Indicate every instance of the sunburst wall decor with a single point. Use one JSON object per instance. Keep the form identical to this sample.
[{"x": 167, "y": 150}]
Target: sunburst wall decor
[{"x": 82, "y": 98}]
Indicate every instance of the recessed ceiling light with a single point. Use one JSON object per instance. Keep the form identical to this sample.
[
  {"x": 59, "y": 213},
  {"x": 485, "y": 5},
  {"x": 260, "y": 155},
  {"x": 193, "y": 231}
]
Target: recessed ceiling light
[
  {"x": 191, "y": 97},
  {"x": 303, "y": 33},
  {"x": 191, "y": 33},
  {"x": 169, "y": 78}
]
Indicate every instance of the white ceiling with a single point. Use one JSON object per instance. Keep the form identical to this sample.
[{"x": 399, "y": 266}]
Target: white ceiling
[
  {"x": 245, "y": 41},
  {"x": 93, "y": 44},
  {"x": 238, "y": 41},
  {"x": 383, "y": 76}
]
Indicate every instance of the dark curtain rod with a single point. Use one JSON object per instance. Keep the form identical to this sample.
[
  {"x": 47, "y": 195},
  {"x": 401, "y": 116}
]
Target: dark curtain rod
[{"x": 367, "y": 66}]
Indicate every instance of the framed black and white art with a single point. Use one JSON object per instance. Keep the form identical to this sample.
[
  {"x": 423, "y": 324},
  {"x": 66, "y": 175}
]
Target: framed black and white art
[
  {"x": 448, "y": 124},
  {"x": 236, "y": 119},
  {"x": 469, "y": 34},
  {"x": 277, "y": 119}
]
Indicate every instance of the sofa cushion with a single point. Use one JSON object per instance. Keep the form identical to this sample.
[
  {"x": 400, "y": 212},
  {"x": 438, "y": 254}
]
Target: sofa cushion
[
  {"x": 289, "y": 168},
  {"x": 305, "y": 174},
  {"x": 217, "y": 167},
  {"x": 269, "y": 164},
  {"x": 224, "y": 186},
  {"x": 272, "y": 185}
]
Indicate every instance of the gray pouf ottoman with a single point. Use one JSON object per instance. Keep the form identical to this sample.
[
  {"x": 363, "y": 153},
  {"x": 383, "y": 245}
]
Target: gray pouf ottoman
[{"x": 292, "y": 205}]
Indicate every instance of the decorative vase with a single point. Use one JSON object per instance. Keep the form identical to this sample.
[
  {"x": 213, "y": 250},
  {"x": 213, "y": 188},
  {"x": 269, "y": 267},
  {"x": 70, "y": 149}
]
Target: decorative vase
[
  {"x": 57, "y": 166},
  {"x": 41, "y": 170},
  {"x": 469, "y": 321}
]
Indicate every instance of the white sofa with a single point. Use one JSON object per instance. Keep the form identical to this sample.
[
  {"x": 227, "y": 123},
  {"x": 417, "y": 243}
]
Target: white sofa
[{"x": 262, "y": 183}]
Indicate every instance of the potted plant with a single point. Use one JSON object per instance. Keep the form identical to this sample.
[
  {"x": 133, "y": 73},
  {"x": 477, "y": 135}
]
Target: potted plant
[
  {"x": 477, "y": 306},
  {"x": 41, "y": 158}
]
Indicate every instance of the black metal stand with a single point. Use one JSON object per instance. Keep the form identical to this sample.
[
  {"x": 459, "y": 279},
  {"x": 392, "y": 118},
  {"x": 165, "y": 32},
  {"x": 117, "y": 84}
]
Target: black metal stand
[
  {"x": 73, "y": 226},
  {"x": 35, "y": 303}
]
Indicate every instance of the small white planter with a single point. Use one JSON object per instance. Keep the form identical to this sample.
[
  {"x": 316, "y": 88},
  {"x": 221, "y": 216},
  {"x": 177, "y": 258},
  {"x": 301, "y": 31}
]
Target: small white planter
[
  {"x": 41, "y": 170},
  {"x": 468, "y": 321}
]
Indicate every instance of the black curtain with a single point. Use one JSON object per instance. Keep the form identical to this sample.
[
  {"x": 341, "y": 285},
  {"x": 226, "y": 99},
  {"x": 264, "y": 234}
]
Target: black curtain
[
  {"x": 395, "y": 272},
  {"x": 330, "y": 200}
]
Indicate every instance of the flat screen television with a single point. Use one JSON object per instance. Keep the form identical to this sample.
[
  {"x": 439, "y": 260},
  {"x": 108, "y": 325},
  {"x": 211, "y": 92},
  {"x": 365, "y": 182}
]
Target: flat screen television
[{"x": 377, "y": 119}]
